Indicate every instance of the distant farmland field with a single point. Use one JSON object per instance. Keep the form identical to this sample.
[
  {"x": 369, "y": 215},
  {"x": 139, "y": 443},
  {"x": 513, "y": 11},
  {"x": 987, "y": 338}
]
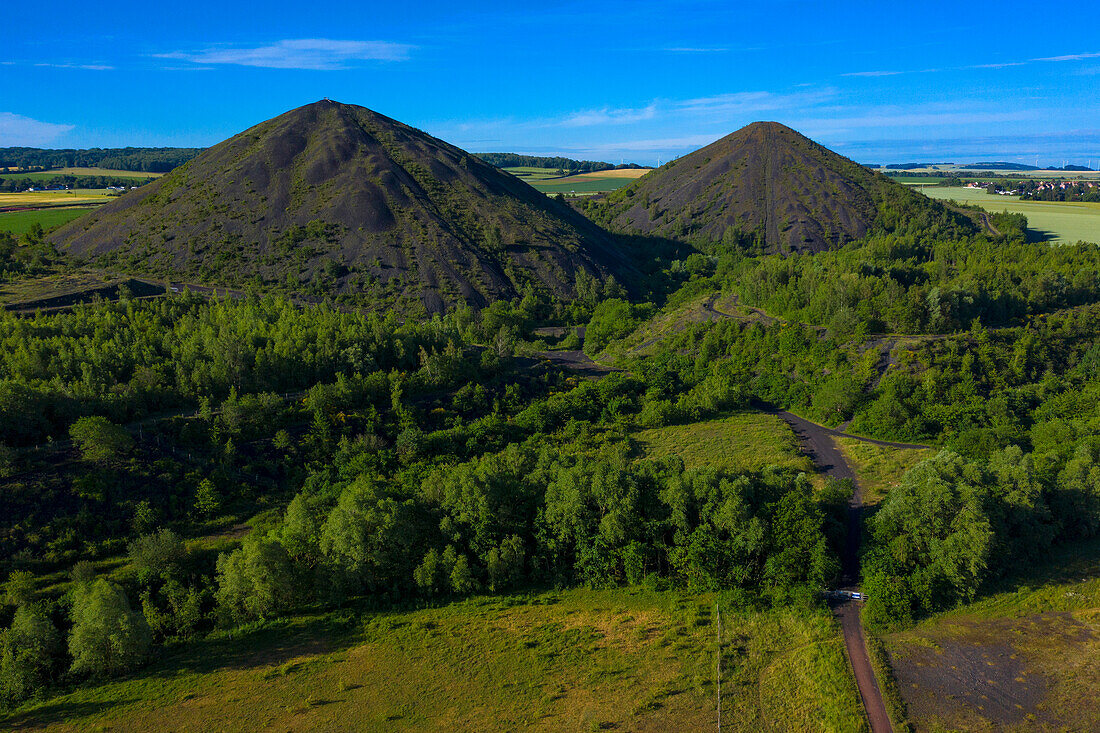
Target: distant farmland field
[
  {"x": 111, "y": 172},
  {"x": 19, "y": 222},
  {"x": 547, "y": 180},
  {"x": 1063, "y": 222},
  {"x": 56, "y": 198}
]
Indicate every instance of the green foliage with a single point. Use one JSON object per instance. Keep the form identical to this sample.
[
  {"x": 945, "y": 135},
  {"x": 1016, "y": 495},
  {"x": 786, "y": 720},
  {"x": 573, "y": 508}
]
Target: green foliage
[
  {"x": 612, "y": 319},
  {"x": 28, "y": 653},
  {"x": 19, "y": 590},
  {"x": 255, "y": 581},
  {"x": 107, "y": 637},
  {"x": 157, "y": 555},
  {"x": 99, "y": 439},
  {"x": 207, "y": 498}
]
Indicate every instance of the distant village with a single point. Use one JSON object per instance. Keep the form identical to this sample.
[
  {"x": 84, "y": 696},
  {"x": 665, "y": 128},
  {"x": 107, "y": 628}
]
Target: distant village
[{"x": 1076, "y": 190}]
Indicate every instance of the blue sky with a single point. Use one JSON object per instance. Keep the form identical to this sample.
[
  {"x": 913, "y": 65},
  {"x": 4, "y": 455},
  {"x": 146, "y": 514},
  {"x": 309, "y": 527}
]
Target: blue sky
[{"x": 878, "y": 81}]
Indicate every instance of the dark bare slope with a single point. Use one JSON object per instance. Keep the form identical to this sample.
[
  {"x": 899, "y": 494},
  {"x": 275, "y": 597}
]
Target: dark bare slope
[
  {"x": 764, "y": 183},
  {"x": 334, "y": 198}
]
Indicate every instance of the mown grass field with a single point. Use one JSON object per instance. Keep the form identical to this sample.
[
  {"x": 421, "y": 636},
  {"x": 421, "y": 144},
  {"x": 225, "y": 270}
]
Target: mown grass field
[
  {"x": 1057, "y": 221},
  {"x": 879, "y": 468},
  {"x": 748, "y": 440},
  {"x": 45, "y": 175},
  {"x": 1024, "y": 657},
  {"x": 581, "y": 660},
  {"x": 18, "y": 222}
]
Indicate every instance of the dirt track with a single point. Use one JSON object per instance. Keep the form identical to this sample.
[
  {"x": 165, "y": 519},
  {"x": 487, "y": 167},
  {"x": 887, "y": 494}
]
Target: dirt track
[{"x": 817, "y": 441}]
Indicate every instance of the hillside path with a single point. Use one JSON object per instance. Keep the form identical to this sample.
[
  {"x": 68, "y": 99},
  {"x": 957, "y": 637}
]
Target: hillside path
[{"x": 817, "y": 441}]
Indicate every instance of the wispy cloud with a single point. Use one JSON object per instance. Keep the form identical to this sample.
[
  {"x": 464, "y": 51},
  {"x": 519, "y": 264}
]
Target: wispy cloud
[
  {"x": 694, "y": 49},
  {"x": 873, "y": 73},
  {"x": 745, "y": 103},
  {"x": 17, "y": 130},
  {"x": 607, "y": 116},
  {"x": 1071, "y": 57},
  {"x": 1004, "y": 65},
  {"x": 314, "y": 54},
  {"x": 85, "y": 67}
]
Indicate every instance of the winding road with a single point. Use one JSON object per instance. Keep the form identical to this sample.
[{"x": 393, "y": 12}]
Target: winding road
[{"x": 817, "y": 441}]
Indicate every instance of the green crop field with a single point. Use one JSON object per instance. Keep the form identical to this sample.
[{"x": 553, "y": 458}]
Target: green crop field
[
  {"x": 1063, "y": 222},
  {"x": 19, "y": 222},
  {"x": 742, "y": 441},
  {"x": 577, "y": 660},
  {"x": 111, "y": 172}
]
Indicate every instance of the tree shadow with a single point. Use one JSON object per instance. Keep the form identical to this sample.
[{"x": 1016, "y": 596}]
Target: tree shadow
[
  {"x": 58, "y": 712},
  {"x": 1035, "y": 236}
]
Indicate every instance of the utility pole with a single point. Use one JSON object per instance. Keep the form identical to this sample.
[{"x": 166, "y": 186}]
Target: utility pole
[{"x": 718, "y": 666}]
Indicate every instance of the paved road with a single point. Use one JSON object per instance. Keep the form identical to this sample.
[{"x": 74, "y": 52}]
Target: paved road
[{"x": 817, "y": 440}]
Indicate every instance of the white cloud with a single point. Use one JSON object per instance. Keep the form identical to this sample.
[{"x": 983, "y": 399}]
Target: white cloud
[
  {"x": 85, "y": 67},
  {"x": 1071, "y": 57},
  {"x": 998, "y": 66},
  {"x": 694, "y": 49},
  {"x": 17, "y": 130},
  {"x": 607, "y": 116},
  {"x": 314, "y": 54},
  {"x": 873, "y": 73},
  {"x": 746, "y": 103}
]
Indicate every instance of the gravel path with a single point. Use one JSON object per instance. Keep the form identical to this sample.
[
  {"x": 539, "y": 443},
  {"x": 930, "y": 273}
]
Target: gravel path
[{"x": 817, "y": 441}]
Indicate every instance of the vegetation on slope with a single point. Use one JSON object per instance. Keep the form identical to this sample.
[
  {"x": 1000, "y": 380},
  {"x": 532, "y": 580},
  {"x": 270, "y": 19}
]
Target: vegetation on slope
[
  {"x": 332, "y": 198},
  {"x": 765, "y": 188}
]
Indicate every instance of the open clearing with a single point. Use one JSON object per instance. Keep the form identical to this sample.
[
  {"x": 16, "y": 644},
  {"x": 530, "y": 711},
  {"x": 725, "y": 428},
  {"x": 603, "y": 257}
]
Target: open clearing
[
  {"x": 113, "y": 173},
  {"x": 1057, "y": 221},
  {"x": 749, "y": 440},
  {"x": 579, "y": 660},
  {"x": 879, "y": 467},
  {"x": 19, "y": 222},
  {"x": 1024, "y": 658}
]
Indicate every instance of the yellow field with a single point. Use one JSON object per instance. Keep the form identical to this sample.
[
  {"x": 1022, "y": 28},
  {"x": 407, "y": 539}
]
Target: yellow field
[{"x": 628, "y": 173}]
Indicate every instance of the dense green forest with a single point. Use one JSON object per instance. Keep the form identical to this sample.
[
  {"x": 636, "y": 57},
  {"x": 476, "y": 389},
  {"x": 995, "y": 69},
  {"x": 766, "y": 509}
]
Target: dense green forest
[
  {"x": 151, "y": 160},
  {"x": 68, "y": 181},
  {"x": 358, "y": 460},
  {"x": 515, "y": 160},
  {"x": 390, "y": 461}
]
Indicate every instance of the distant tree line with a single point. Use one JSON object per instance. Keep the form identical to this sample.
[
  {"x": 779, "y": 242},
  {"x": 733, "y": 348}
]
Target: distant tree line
[
  {"x": 69, "y": 181},
  {"x": 514, "y": 160},
  {"x": 152, "y": 160}
]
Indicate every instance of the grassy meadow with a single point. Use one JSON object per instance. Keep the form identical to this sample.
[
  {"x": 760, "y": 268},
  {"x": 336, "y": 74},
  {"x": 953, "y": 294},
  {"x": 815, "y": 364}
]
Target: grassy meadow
[
  {"x": 19, "y": 222},
  {"x": 748, "y": 440},
  {"x": 1058, "y": 221},
  {"x": 879, "y": 468},
  {"x": 579, "y": 660},
  {"x": 1025, "y": 656}
]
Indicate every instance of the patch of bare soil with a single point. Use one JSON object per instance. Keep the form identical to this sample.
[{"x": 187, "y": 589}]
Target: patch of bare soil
[{"x": 986, "y": 674}]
